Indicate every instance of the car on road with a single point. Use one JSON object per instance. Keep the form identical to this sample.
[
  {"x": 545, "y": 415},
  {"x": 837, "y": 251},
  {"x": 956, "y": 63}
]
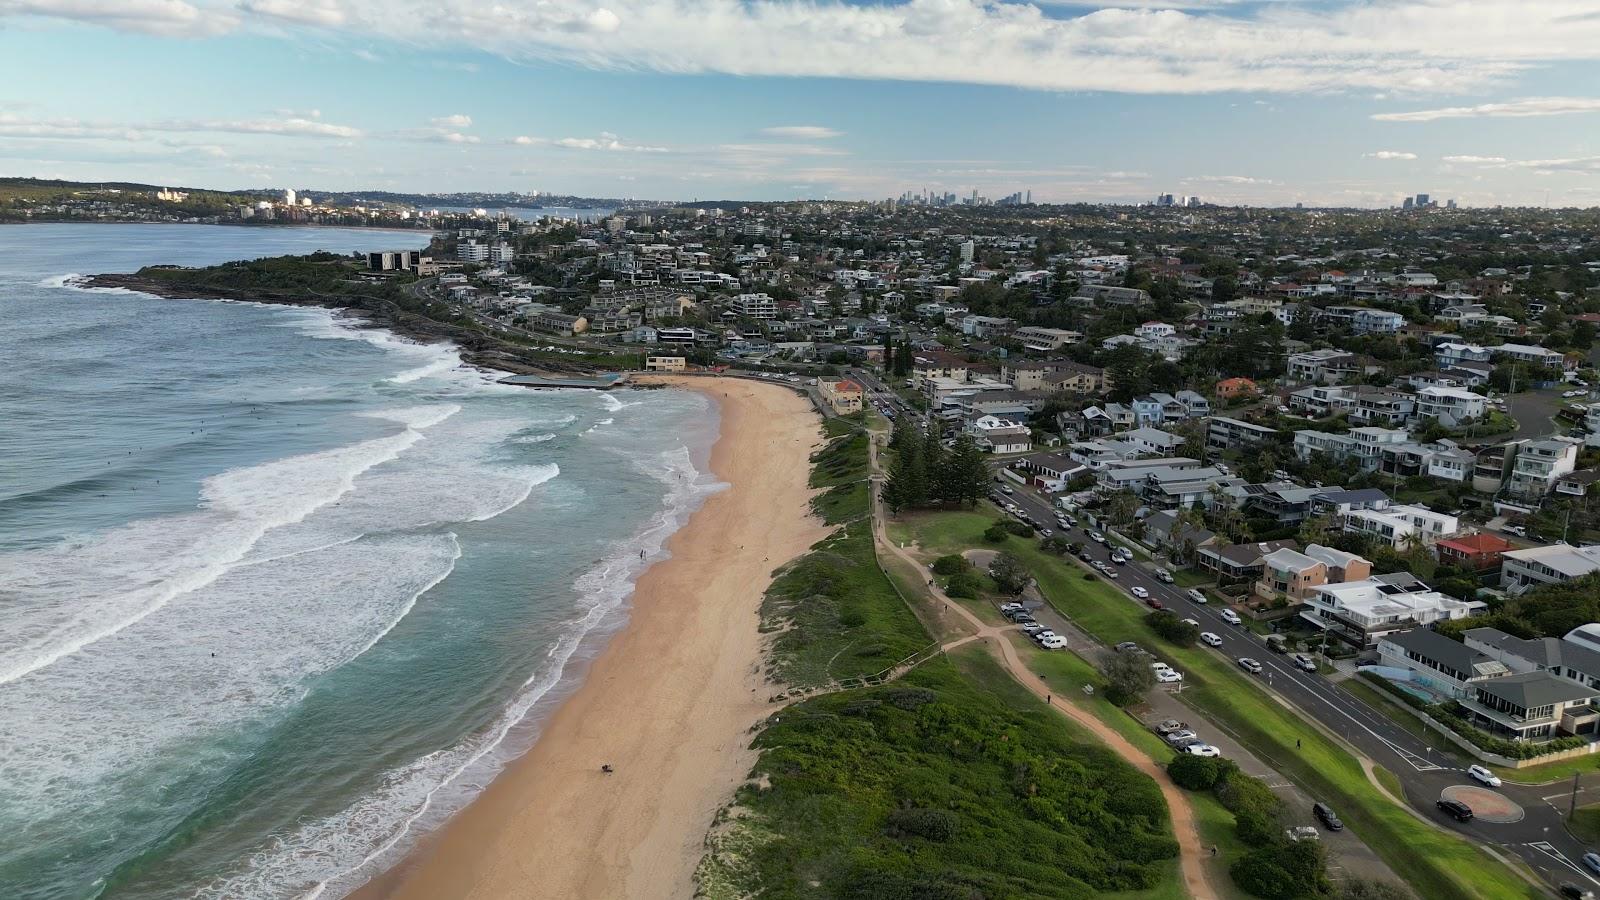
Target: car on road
[
  {"x": 1592, "y": 861},
  {"x": 1006, "y": 489},
  {"x": 1202, "y": 750},
  {"x": 1326, "y": 815},
  {"x": 1054, "y": 642},
  {"x": 1284, "y": 410},
  {"x": 1231, "y": 617},
  {"x": 1210, "y": 639},
  {"x": 1302, "y": 833},
  {"x": 1482, "y": 775},
  {"x": 1045, "y": 532},
  {"x": 1575, "y": 891},
  {"x": 1139, "y": 592},
  {"x": 1168, "y": 726},
  {"x": 1305, "y": 663},
  {"x": 1084, "y": 555},
  {"x": 1120, "y": 559},
  {"x": 1197, "y": 596},
  {"x": 1111, "y": 573},
  {"x": 1182, "y": 736},
  {"x": 1455, "y": 809},
  {"x": 1128, "y": 646},
  {"x": 1163, "y": 576},
  {"x": 1097, "y": 537},
  {"x": 1153, "y": 603},
  {"x": 1249, "y": 665},
  {"x": 1517, "y": 530}
]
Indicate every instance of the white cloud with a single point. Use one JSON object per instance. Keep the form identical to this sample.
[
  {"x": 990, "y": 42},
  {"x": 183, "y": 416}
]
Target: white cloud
[
  {"x": 163, "y": 17},
  {"x": 801, "y": 132},
  {"x": 457, "y": 120},
  {"x": 1528, "y": 107},
  {"x": 781, "y": 150},
  {"x": 527, "y": 140},
  {"x": 606, "y": 141},
  {"x": 1474, "y": 160},
  {"x": 1232, "y": 179},
  {"x": 1261, "y": 47},
  {"x": 291, "y": 126},
  {"x": 1389, "y": 154},
  {"x": 320, "y": 13}
]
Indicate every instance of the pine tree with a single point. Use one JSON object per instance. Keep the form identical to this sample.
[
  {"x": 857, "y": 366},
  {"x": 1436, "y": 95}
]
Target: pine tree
[{"x": 967, "y": 476}]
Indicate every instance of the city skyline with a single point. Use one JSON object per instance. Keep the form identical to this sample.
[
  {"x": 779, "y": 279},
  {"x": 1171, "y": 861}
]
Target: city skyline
[{"x": 1258, "y": 103}]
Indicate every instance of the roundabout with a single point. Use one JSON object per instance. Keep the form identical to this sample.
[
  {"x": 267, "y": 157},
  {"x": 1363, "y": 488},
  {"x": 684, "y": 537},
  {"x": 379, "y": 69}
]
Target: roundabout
[{"x": 1487, "y": 806}]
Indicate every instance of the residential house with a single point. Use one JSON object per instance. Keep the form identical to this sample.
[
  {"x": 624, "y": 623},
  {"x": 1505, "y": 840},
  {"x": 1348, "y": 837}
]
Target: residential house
[
  {"x": 1224, "y": 433},
  {"x": 665, "y": 363},
  {"x": 1522, "y": 570},
  {"x": 1163, "y": 531},
  {"x": 1446, "y": 667},
  {"x": 1153, "y": 440},
  {"x": 1290, "y": 574},
  {"x": 1074, "y": 378},
  {"x": 1363, "y": 612},
  {"x": 1451, "y": 407},
  {"x": 1239, "y": 562},
  {"x": 998, "y": 435},
  {"x": 1322, "y": 366},
  {"x": 842, "y": 395},
  {"x": 1045, "y": 340},
  {"x": 1473, "y": 552},
  {"x": 1538, "y": 465},
  {"x": 1399, "y": 526},
  {"x": 1229, "y": 388},
  {"x": 1364, "y": 445}
]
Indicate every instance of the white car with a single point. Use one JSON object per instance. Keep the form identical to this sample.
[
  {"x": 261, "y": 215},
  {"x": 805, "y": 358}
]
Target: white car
[
  {"x": 1194, "y": 622},
  {"x": 1180, "y": 737},
  {"x": 1483, "y": 776},
  {"x": 1303, "y": 833},
  {"x": 1054, "y": 642},
  {"x": 1202, "y": 750},
  {"x": 1111, "y": 573},
  {"x": 1231, "y": 617},
  {"x": 1197, "y": 596},
  {"x": 1097, "y": 537},
  {"x": 1168, "y": 676},
  {"x": 1249, "y": 665},
  {"x": 1210, "y": 639},
  {"x": 1139, "y": 592}
]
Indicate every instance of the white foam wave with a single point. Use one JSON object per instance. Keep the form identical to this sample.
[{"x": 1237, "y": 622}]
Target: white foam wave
[
  {"x": 85, "y": 591},
  {"x": 534, "y": 438},
  {"x": 436, "y": 367},
  {"x": 74, "y": 281},
  {"x": 599, "y": 424},
  {"x": 611, "y": 403},
  {"x": 339, "y": 852}
]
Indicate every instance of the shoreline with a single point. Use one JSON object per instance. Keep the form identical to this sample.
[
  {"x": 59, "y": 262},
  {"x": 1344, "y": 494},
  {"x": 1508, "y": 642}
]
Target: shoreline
[
  {"x": 670, "y": 702},
  {"x": 476, "y": 348}
]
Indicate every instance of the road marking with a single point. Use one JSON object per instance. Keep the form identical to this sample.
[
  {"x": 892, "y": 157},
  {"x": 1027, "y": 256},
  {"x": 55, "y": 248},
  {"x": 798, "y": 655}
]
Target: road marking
[{"x": 1549, "y": 849}]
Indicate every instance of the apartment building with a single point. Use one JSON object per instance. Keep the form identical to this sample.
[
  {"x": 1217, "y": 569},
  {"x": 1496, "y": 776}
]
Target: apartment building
[
  {"x": 1364, "y": 445},
  {"x": 1362, "y": 613},
  {"x": 1538, "y": 465},
  {"x": 1522, "y": 570},
  {"x": 1451, "y": 407},
  {"x": 755, "y": 306},
  {"x": 842, "y": 395},
  {"x": 1401, "y": 525},
  {"x": 1045, "y": 340},
  {"x": 1224, "y": 433},
  {"x": 1326, "y": 366}
]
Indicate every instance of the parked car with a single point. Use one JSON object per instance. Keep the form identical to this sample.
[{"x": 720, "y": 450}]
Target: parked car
[
  {"x": 1302, "y": 833},
  {"x": 1164, "y": 576},
  {"x": 1575, "y": 891},
  {"x": 1210, "y": 639},
  {"x": 1168, "y": 726},
  {"x": 1592, "y": 861},
  {"x": 1054, "y": 642},
  {"x": 1007, "y": 607},
  {"x": 1139, "y": 592},
  {"x": 1127, "y": 646},
  {"x": 1032, "y": 628},
  {"x": 1179, "y": 737},
  {"x": 1249, "y": 665},
  {"x": 1455, "y": 809},
  {"x": 1044, "y": 635},
  {"x": 1097, "y": 537},
  {"x": 1483, "y": 775},
  {"x": 1197, "y": 596},
  {"x": 1120, "y": 559},
  {"x": 1202, "y": 750},
  {"x": 1111, "y": 573},
  {"x": 1326, "y": 815},
  {"x": 1194, "y": 622},
  {"x": 1231, "y": 617},
  {"x": 1168, "y": 676},
  {"x": 1305, "y": 663},
  {"x": 1277, "y": 643}
]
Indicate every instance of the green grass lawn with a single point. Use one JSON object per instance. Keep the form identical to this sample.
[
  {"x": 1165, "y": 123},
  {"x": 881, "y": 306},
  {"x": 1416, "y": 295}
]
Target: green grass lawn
[
  {"x": 1585, "y": 824},
  {"x": 1551, "y": 771},
  {"x": 1436, "y": 863}
]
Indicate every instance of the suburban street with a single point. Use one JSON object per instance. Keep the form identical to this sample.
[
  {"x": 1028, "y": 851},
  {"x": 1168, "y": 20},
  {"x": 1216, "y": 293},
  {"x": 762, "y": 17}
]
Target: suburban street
[{"x": 1540, "y": 838}]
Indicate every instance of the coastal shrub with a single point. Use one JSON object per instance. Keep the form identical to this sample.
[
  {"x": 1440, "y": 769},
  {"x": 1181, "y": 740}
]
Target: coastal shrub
[
  {"x": 1241, "y": 793},
  {"x": 1167, "y": 624},
  {"x": 951, "y": 564},
  {"x": 964, "y": 585},
  {"x": 1128, "y": 677},
  {"x": 1009, "y": 573},
  {"x": 1284, "y": 871},
  {"x": 972, "y": 791},
  {"x": 852, "y": 618},
  {"x": 1020, "y": 529},
  {"x": 930, "y": 824},
  {"x": 1196, "y": 773},
  {"x": 996, "y": 533},
  {"x": 1255, "y": 829}
]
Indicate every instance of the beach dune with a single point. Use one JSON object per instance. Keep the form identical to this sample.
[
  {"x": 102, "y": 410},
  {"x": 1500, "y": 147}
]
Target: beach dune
[{"x": 669, "y": 704}]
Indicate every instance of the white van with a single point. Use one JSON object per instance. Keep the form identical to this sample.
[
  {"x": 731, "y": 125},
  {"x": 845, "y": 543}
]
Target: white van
[
  {"x": 1231, "y": 617},
  {"x": 1197, "y": 596}
]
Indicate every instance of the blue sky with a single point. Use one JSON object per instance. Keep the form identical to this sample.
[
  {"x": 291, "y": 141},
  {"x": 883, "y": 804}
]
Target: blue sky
[{"x": 1327, "y": 103}]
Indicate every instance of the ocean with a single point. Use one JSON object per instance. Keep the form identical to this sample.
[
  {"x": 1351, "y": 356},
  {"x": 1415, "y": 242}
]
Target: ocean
[{"x": 277, "y": 593}]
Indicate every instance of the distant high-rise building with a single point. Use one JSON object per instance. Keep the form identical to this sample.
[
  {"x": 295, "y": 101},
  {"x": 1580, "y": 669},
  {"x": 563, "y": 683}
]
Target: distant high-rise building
[
  {"x": 1422, "y": 200},
  {"x": 288, "y": 197},
  {"x": 1450, "y": 204},
  {"x": 1407, "y": 203},
  {"x": 1164, "y": 200},
  {"x": 1030, "y": 197},
  {"x": 1192, "y": 201},
  {"x": 968, "y": 250}
]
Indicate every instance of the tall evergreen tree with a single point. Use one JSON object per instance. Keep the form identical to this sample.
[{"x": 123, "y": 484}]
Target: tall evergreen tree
[{"x": 967, "y": 476}]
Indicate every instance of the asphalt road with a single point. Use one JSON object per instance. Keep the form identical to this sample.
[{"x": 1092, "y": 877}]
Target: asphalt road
[{"x": 1540, "y": 838}]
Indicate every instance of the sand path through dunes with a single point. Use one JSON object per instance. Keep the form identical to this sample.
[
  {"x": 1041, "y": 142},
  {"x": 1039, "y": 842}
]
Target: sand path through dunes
[{"x": 669, "y": 703}]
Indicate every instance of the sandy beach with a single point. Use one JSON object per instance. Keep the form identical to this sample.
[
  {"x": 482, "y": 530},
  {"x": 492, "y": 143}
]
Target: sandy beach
[{"x": 669, "y": 703}]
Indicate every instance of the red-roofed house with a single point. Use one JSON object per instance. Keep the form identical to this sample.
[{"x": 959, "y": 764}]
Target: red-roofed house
[
  {"x": 1229, "y": 388},
  {"x": 1476, "y": 552},
  {"x": 843, "y": 395}
]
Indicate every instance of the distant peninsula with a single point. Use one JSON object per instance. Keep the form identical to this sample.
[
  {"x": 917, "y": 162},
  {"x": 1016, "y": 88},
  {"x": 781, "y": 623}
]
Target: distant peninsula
[{"x": 332, "y": 281}]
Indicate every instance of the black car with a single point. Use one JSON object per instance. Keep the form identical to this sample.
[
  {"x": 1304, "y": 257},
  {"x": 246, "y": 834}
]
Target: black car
[
  {"x": 1327, "y": 817},
  {"x": 1455, "y": 810},
  {"x": 1576, "y": 892}
]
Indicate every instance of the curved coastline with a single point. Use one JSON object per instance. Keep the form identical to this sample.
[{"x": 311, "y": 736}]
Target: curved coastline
[{"x": 669, "y": 703}]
